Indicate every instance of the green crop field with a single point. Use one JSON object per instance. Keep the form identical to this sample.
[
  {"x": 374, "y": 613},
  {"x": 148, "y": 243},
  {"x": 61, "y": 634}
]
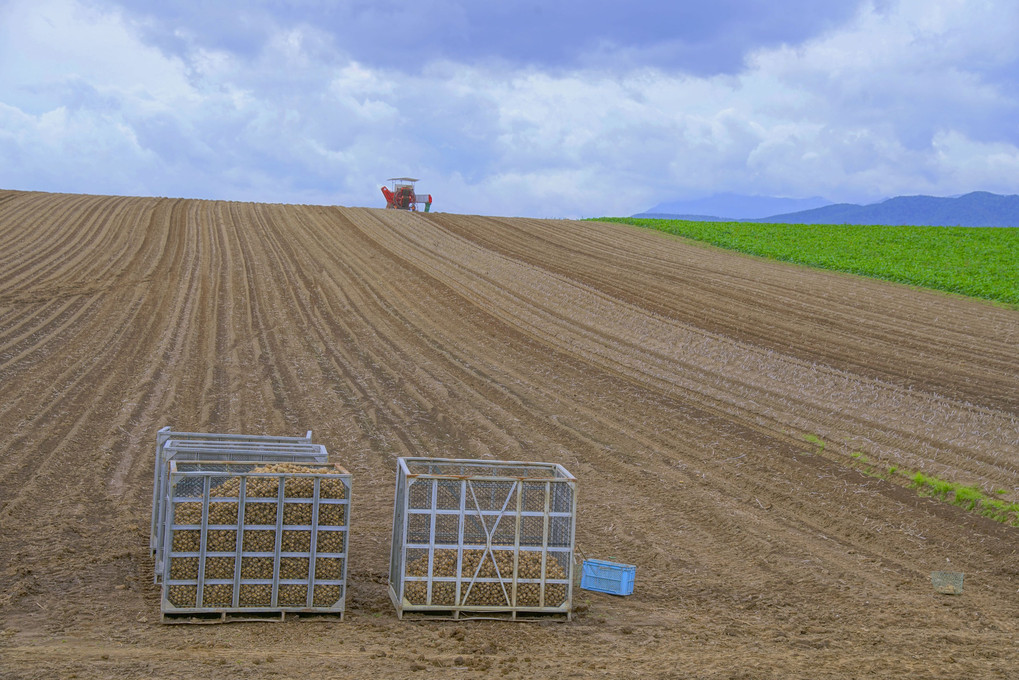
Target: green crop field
[{"x": 976, "y": 261}]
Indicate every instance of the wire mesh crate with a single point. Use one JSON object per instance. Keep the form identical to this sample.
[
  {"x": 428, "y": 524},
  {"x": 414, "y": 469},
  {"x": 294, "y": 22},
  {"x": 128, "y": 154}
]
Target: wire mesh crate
[
  {"x": 212, "y": 438},
  {"x": 225, "y": 447},
  {"x": 473, "y": 538},
  {"x": 250, "y": 537}
]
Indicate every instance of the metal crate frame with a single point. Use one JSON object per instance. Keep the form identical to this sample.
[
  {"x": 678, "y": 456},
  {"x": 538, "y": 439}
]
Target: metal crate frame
[
  {"x": 166, "y": 433},
  {"x": 208, "y": 474},
  {"x": 215, "y": 446},
  {"x": 223, "y": 451},
  {"x": 507, "y": 483}
]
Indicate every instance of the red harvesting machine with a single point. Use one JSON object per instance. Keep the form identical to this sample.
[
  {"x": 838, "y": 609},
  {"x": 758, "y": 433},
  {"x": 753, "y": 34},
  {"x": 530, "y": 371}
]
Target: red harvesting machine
[{"x": 402, "y": 195}]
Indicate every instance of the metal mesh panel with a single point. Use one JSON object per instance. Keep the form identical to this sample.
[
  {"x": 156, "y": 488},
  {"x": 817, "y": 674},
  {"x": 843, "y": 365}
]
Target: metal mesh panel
[
  {"x": 221, "y": 540},
  {"x": 256, "y": 567},
  {"x": 332, "y": 514},
  {"x": 220, "y": 567},
  {"x": 260, "y": 513},
  {"x": 240, "y": 538},
  {"x": 328, "y": 596},
  {"x": 297, "y": 514},
  {"x": 222, "y": 512},
  {"x": 557, "y": 564},
  {"x": 475, "y": 531},
  {"x": 447, "y": 494},
  {"x": 296, "y": 541},
  {"x": 560, "y": 532},
  {"x": 487, "y": 594},
  {"x": 503, "y": 531},
  {"x": 294, "y": 568},
  {"x": 256, "y": 595},
  {"x": 217, "y": 595},
  {"x": 419, "y": 496},
  {"x": 256, "y": 443},
  {"x": 187, "y": 540},
  {"x": 182, "y": 596},
  {"x": 259, "y": 540},
  {"x": 435, "y": 467},
  {"x": 399, "y": 522},
  {"x": 477, "y": 536},
  {"x": 184, "y": 568},
  {"x": 328, "y": 568},
  {"x": 533, "y": 496},
  {"x": 293, "y": 595},
  {"x": 562, "y": 497},
  {"x": 331, "y": 541},
  {"x": 193, "y": 487},
  {"x": 447, "y": 529},
  {"x": 486, "y": 495},
  {"x": 190, "y": 446},
  {"x": 444, "y": 563},
  {"x": 417, "y": 562},
  {"x": 443, "y": 594},
  {"x": 419, "y": 528}
]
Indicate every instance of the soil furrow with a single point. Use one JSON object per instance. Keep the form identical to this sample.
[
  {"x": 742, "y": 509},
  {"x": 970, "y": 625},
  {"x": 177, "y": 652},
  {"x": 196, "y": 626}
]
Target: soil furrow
[{"x": 708, "y": 403}]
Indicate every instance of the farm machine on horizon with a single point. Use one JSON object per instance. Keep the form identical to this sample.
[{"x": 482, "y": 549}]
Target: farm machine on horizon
[{"x": 402, "y": 195}]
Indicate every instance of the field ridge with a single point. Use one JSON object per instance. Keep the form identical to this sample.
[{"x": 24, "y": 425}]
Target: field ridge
[{"x": 715, "y": 409}]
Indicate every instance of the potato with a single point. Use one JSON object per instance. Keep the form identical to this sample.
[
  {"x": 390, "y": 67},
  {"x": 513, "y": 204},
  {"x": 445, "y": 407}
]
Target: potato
[
  {"x": 261, "y": 508},
  {"x": 486, "y": 593}
]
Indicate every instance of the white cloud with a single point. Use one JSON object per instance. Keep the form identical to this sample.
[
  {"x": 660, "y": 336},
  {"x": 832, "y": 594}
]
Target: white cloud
[
  {"x": 47, "y": 44},
  {"x": 960, "y": 161},
  {"x": 908, "y": 97},
  {"x": 71, "y": 144}
]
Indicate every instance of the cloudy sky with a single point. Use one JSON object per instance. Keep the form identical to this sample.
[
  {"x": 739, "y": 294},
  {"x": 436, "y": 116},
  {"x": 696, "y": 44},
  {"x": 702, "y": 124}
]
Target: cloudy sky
[{"x": 516, "y": 107}]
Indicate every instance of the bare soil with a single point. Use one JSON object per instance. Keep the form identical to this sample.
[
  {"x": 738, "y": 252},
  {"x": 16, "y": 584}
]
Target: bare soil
[{"x": 710, "y": 405}]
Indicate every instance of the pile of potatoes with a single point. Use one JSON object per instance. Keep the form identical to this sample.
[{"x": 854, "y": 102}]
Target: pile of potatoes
[
  {"x": 295, "y": 513},
  {"x": 254, "y": 595},
  {"x": 494, "y": 594},
  {"x": 291, "y": 568},
  {"x": 254, "y": 567},
  {"x": 296, "y": 487},
  {"x": 225, "y": 512}
]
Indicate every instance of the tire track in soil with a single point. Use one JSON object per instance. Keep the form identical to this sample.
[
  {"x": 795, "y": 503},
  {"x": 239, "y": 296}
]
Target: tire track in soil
[
  {"x": 770, "y": 308},
  {"x": 78, "y": 470},
  {"x": 390, "y": 333},
  {"x": 157, "y": 344},
  {"x": 834, "y": 557},
  {"x": 644, "y": 360},
  {"x": 70, "y": 386}
]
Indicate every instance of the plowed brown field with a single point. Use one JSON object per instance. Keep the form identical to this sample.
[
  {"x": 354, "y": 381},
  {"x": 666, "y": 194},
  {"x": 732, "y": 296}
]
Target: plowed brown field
[{"x": 677, "y": 382}]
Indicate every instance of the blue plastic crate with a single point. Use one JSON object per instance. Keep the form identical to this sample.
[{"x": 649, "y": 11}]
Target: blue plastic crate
[{"x": 608, "y": 577}]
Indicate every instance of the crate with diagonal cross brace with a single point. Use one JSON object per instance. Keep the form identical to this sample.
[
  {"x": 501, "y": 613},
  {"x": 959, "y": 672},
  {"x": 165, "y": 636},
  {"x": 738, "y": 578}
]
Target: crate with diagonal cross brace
[{"x": 481, "y": 538}]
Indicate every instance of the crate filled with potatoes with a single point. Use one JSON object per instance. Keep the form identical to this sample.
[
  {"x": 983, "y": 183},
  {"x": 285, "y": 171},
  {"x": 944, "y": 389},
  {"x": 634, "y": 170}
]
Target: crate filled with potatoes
[
  {"x": 222, "y": 447},
  {"x": 247, "y": 537},
  {"x": 481, "y": 538}
]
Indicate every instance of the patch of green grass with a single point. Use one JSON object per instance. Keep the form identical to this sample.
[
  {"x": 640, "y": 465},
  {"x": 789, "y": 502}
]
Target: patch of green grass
[
  {"x": 1000, "y": 511},
  {"x": 815, "y": 440},
  {"x": 932, "y": 486},
  {"x": 967, "y": 497},
  {"x": 975, "y": 261}
]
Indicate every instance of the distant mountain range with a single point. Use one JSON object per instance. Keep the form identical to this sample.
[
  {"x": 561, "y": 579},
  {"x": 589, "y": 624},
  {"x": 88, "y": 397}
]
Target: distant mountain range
[
  {"x": 736, "y": 206},
  {"x": 976, "y": 209}
]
